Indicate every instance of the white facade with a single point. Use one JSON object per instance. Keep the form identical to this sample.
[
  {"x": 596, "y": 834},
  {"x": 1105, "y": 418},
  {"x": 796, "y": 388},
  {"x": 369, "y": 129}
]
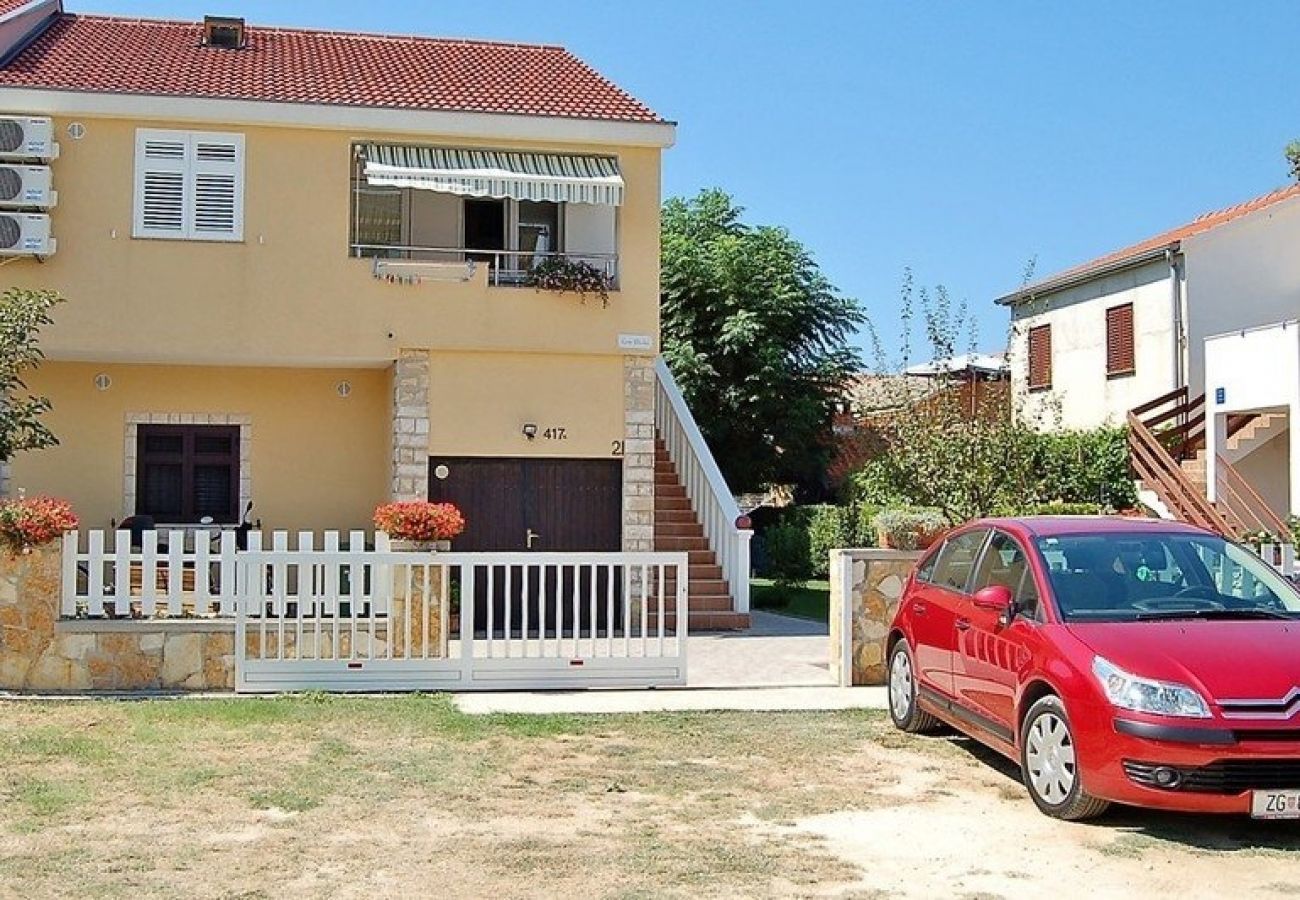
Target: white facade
[
  {"x": 1082, "y": 395},
  {"x": 1256, "y": 371},
  {"x": 1239, "y": 274}
]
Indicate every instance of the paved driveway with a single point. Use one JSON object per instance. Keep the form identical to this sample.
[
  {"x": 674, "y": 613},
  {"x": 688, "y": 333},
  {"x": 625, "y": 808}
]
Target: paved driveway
[{"x": 776, "y": 650}]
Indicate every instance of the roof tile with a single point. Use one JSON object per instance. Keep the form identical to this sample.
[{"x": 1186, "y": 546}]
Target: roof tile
[
  {"x": 148, "y": 56},
  {"x": 1202, "y": 223}
]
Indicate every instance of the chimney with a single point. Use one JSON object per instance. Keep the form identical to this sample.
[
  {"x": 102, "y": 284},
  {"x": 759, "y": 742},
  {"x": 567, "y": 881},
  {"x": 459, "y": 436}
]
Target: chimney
[{"x": 226, "y": 32}]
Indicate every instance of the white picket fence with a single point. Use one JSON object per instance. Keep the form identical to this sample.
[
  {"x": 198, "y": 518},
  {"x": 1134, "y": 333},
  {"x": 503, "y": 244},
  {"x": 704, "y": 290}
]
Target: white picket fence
[
  {"x": 460, "y": 621},
  {"x": 176, "y": 573}
]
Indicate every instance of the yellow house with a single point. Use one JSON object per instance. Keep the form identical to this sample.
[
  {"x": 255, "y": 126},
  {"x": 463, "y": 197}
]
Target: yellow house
[{"x": 313, "y": 271}]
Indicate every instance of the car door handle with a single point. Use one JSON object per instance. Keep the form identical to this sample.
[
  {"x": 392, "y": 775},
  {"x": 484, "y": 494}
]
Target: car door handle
[
  {"x": 963, "y": 624},
  {"x": 919, "y": 608}
]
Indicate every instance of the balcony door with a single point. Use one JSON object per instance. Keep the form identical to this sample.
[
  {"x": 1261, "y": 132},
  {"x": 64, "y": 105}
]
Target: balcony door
[{"x": 485, "y": 228}]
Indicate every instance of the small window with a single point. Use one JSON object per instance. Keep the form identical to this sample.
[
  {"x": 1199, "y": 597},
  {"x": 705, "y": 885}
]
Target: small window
[
  {"x": 1119, "y": 341},
  {"x": 187, "y": 472},
  {"x": 1040, "y": 357},
  {"x": 378, "y": 220},
  {"x": 189, "y": 185},
  {"x": 1004, "y": 563},
  {"x": 957, "y": 559}
]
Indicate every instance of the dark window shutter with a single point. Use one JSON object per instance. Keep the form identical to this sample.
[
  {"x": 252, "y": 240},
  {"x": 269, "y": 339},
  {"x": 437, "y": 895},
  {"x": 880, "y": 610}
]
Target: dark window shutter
[
  {"x": 1040, "y": 357},
  {"x": 186, "y": 472},
  {"x": 1120, "y": 356}
]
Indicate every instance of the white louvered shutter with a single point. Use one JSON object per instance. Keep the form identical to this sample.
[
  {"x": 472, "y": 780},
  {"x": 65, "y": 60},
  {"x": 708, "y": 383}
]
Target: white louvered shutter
[
  {"x": 161, "y": 169},
  {"x": 217, "y": 180},
  {"x": 189, "y": 185}
]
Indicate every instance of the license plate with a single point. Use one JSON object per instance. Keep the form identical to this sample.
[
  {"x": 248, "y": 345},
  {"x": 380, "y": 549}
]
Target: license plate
[{"x": 1275, "y": 805}]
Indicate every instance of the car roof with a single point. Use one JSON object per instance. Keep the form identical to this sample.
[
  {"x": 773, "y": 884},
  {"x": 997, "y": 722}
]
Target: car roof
[{"x": 1052, "y": 526}]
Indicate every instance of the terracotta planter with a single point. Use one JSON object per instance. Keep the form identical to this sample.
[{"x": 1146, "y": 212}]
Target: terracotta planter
[
  {"x": 914, "y": 540},
  {"x": 404, "y": 545}
]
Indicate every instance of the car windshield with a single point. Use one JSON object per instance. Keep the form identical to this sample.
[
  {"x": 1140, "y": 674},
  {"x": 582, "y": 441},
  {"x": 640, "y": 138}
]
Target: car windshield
[{"x": 1141, "y": 576}]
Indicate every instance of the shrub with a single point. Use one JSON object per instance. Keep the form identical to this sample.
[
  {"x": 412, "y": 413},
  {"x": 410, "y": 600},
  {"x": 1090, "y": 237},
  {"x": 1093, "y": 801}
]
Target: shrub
[
  {"x": 829, "y": 527},
  {"x": 418, "y": 520},
  {"x": 28, "y": 522},
  {"x": 910, "y": 527},
  {"x": 788, "y": 559},
  {"x": 1065, "y": 509}
]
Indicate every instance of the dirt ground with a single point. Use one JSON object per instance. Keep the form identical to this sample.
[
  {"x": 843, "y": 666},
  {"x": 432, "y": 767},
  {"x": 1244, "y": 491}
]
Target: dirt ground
[{"x": 328, "y": 797}]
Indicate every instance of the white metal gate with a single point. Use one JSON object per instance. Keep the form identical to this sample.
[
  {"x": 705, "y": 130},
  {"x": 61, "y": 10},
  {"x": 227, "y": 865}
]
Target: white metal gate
[{"x": 360, "y": 620}]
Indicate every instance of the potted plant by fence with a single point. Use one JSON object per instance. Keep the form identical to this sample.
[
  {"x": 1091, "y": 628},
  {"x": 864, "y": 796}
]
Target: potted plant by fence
[
  {"x": 419, "y": 525},
  {"x": 573, "y": 276},
  {"x": 909, "y": 528},
  {"x": 30, "y": 522}
]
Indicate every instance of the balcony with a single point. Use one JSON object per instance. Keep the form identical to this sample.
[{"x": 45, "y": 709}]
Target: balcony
[
  {"x": 505, "y": 268},
  {"x": 438, "y": 213}
]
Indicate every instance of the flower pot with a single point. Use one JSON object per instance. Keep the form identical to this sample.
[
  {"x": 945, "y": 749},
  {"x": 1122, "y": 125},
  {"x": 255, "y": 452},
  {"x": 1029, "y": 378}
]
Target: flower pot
[{"x": 402, "y": 544}]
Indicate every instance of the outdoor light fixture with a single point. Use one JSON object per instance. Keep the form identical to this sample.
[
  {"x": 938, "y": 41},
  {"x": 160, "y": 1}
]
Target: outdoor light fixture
[
  {"x": 530, "y": 431},
  {"x": 103, "y": 382}
]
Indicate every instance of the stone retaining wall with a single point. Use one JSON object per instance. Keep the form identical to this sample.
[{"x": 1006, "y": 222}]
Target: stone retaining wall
[
  {"x": 865, "y": 589},
  {"x": 40, "y": 653}
]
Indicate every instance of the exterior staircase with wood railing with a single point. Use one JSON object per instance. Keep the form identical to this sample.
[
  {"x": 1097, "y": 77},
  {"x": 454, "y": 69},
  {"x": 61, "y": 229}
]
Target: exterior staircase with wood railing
[{"x": 1167, "y": 448}]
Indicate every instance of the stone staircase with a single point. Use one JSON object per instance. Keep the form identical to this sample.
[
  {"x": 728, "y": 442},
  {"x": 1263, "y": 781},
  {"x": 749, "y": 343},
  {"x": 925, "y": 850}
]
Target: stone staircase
[{"x": 677, "y": 529}]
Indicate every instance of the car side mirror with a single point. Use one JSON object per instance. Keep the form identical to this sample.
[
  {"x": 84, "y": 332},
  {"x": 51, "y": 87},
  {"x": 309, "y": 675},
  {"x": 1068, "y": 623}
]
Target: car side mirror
[{"x": 998, "y": 599}]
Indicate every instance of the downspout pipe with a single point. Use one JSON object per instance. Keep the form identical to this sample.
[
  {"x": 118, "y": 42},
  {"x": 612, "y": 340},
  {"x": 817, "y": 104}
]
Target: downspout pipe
[{"x": 1176, "y": 301}]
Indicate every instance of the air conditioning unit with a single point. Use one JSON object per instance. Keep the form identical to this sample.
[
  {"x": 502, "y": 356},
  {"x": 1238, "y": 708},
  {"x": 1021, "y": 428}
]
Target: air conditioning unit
[
  {"x": 26, "y": 186},
  {"x": 27, "y": 137},
  {"x": 25, "y": 234}
]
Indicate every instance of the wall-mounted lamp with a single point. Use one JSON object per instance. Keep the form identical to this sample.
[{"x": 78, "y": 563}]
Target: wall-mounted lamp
[
  {"x": 530, "y": 431},
  {"x": 103, "y": 382}
]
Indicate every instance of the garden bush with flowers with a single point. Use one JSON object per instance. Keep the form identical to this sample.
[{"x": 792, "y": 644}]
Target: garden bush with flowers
[
  {"x": 419, "y": 520},
  {"x": 28, "y": 522}
]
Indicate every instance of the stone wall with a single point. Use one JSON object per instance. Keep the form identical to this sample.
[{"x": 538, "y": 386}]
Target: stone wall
[
  {"x": 865, "y": 588},
  {"x": 411, "y": 426},
  {"x": 42, "y": 654},
  {"x": 638, "y": 453}
]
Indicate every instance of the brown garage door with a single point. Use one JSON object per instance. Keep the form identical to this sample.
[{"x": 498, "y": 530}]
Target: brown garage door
[{"x": 564, "y": 504}]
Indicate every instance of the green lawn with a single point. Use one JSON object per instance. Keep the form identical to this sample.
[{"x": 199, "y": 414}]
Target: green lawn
[{"x": 812, "y": 601}]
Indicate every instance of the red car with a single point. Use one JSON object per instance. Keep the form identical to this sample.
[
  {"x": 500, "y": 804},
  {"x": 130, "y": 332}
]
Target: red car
[{"x": 1135, "y": 661}]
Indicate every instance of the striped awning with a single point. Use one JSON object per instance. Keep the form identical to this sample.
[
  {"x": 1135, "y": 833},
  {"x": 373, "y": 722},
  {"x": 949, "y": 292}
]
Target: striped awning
[{"x": 487, "y": 173}]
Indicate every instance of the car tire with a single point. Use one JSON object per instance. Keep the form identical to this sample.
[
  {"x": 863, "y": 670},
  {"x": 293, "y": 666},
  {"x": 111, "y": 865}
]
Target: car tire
[
  {"x": 906, "y": 714},
  {"x": 1049, "y": 766}
]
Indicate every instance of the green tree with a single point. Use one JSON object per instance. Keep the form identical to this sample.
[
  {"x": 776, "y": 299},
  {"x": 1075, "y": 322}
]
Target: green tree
[
  {"x": 757, "y": 338},
  {"x": 22, "y": 315},
  {"x": 1292, "y": 153}
]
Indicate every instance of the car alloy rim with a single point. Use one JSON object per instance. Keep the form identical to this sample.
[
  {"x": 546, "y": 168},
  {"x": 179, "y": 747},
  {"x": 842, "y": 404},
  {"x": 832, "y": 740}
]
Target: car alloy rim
[
  {"x": 1050, "y": 756},
  {"x": 900, "y": 685}
]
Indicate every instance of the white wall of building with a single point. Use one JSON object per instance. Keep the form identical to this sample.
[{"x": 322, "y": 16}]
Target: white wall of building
[
  {"x": 1252, "y": 371},
  {"x": 1082, "y": 396},
  {"x": 1242, "y": 275}
]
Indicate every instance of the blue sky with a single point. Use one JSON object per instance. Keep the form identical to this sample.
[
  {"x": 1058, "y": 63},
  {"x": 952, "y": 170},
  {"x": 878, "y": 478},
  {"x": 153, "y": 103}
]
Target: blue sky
[{"x": 960, "y": 139}]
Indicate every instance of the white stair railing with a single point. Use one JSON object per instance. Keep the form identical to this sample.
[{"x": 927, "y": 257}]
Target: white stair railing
[{"x": 726, "y": 528}]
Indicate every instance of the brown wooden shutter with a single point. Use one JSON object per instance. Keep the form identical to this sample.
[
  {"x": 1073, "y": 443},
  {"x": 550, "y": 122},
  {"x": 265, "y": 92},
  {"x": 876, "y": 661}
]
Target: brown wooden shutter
[
  {"x": 1040, "y": 357},
  {"x": 1119, "y": 340}
]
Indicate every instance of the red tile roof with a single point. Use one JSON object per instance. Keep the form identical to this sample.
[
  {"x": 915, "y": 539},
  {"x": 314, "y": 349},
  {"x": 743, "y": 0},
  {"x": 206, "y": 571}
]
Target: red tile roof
[
  {"x": 1165, "y": 240},
  {"x": 142, "y": 56},
  {"x": 8, "y": 6}
]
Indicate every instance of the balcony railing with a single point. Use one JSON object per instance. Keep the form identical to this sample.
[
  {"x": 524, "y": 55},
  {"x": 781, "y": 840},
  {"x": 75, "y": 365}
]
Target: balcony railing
[{"x": 506, "y": 268}]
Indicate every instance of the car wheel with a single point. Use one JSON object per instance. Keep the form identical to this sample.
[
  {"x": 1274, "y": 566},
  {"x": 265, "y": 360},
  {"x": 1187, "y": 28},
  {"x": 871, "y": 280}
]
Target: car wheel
[
  {"x": 1049, "y": 764},
  {"x": 902, "y": 694}
]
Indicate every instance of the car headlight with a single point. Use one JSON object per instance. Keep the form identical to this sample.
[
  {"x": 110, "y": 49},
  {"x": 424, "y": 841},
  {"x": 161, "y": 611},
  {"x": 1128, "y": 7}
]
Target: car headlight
[{"x": 1162, "y": 698}]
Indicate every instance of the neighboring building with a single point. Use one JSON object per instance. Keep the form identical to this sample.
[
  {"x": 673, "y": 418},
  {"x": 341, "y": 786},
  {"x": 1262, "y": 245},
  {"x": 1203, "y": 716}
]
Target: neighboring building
[
  {"x": 1129, "y": 332},
  {"x": 1104, "y": 337},
  {"x": 297, "y": 265}
]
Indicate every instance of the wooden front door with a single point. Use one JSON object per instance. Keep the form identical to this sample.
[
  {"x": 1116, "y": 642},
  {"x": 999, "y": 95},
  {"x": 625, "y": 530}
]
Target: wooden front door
[{"x": 542, "y": 505}]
